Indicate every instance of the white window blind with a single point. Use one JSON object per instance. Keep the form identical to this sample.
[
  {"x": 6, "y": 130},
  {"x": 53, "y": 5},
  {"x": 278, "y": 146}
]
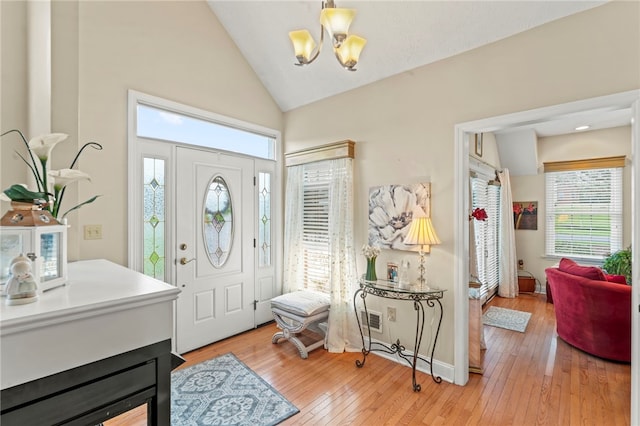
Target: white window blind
[
  {"x": 315, "y": 224},
  {"x": 584, "y": 212},
  {"x": 493, "y": 237},
  {"x": 487, "y": 235},
  {"x": 479, "y": 201}
]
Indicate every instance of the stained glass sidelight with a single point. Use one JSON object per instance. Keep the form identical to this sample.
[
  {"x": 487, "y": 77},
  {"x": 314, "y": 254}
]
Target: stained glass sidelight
[
  {"x": 218, "y": 222},
  {"x": 154, "y": 218},
  {"x": 264, "y": 219}
]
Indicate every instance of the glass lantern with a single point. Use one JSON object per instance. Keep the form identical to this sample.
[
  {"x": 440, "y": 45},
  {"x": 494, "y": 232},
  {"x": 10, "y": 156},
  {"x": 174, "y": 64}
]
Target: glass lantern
[{"x": 46, "y": 246}]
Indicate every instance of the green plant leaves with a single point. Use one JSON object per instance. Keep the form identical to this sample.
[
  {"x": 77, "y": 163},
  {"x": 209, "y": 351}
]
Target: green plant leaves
[
  {"x": 19, "y": 193},
  {"x": 90, "y": 200},
  {"x": 619, "y": 263}
]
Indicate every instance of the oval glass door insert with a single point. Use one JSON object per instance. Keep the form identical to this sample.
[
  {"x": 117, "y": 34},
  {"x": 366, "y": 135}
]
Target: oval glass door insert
[{"x": 218, "y": 222}]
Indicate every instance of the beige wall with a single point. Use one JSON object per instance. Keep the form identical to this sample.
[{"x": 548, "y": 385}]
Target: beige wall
[
  {"x": 530, "y": 245},
  {"x": 404, "y": 125},
  {"x": 174, "y": 50},
  {"x": 99, "y": 51},
  {"x": 13, "y": 98}
]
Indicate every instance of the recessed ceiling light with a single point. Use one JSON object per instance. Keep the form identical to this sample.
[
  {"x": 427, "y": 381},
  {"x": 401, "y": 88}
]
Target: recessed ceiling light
[{"x": 582, "y": 127}]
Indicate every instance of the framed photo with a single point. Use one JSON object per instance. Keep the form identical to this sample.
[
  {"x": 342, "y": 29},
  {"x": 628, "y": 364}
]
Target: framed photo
[
  {"x": 392, "y": 272},
  {"x": 391, "y": 210},
  {"x": 525, "y": 215},
  {"x": 479, "y": 144}
]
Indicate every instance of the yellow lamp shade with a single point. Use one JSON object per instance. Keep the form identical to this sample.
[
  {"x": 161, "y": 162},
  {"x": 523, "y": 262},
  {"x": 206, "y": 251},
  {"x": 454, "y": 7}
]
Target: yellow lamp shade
[
  {"x": 303, "y": 44},
  {"x": 336, "y": 21},
  {"x": 421, "y": 230},
  {"x": 349, "y": 53}
]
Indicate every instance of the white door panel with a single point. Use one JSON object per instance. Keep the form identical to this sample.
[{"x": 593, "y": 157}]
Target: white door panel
[{"x": 217, "y": 279}]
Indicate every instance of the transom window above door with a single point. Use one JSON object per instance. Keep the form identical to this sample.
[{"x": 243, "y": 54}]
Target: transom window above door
[{"x": 163, "y": 124}]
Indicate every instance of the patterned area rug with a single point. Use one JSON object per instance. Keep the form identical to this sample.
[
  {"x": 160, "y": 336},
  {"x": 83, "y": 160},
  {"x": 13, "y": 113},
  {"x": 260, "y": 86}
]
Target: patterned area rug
[
  {"x": 506, "y": 318},
  {"x": 224, "y": 391}
]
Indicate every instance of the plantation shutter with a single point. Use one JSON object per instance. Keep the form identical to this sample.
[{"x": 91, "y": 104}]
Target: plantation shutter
[{"x": 583, "y": 211}]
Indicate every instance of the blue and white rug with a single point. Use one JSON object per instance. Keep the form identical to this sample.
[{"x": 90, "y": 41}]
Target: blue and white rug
[
  {"x": 506, "y": 318},
  {"x": 224, "y": 391}
]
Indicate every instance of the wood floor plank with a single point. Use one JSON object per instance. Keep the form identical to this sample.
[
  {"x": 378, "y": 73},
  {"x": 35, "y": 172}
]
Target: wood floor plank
[{"x": 531, "y": 378}]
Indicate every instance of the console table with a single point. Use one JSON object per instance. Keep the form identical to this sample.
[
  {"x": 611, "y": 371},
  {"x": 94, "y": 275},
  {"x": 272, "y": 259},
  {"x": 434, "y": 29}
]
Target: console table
[
  {"x": 90, "y": 350},
  {"x": 389, "y": 290}
]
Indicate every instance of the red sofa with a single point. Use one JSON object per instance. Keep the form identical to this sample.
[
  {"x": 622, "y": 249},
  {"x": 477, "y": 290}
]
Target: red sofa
[{"x": 593, "y": 315}]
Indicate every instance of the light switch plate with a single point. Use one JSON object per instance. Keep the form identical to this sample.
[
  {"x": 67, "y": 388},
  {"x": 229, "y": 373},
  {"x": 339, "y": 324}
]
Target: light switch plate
[{"x": 93, "y": 232}]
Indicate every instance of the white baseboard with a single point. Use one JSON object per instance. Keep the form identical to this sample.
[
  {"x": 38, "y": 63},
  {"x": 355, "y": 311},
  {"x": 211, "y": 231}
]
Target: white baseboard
[{"x": 444, "y": 370}]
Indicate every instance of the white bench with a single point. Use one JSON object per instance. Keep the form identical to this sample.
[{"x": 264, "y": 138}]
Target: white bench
[{"x": 296, "y": 311}]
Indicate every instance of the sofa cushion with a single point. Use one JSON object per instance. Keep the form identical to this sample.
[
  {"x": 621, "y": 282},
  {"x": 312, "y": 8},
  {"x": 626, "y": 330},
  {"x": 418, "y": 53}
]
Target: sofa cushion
[
  {"x": 612, "y": 278},
  {"x": 590, "y": 272}
]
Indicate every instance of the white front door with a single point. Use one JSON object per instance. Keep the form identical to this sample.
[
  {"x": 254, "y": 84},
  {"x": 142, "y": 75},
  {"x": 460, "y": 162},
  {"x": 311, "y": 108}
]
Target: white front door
[{"x": 215, "y": 247}]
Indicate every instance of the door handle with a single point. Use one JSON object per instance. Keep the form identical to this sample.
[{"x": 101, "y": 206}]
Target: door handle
[{"x": 184, "y": 261}]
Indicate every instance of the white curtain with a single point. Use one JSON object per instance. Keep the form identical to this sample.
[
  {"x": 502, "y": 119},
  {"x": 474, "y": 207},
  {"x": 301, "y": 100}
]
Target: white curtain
[
  {"x": 342, "y": 331},
  {"x": 508, "y": 259},
  {"x": 343, "y": 262},
  {"x": 293, "y": 272}
]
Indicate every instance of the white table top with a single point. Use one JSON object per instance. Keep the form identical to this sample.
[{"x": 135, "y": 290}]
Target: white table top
[{"x": 94, "y": 287}]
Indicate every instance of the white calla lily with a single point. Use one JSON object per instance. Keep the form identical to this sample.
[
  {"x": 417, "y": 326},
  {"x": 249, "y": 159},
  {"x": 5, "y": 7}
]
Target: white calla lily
[
  {"x": 63, "y": 177},
  {"x": 39, "y": 153},
  {"x": 42, "y": 145}
]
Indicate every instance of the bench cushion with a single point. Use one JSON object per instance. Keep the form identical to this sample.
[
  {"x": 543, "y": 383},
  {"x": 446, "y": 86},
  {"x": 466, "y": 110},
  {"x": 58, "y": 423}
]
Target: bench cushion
[{"x": 302, "y": 302}]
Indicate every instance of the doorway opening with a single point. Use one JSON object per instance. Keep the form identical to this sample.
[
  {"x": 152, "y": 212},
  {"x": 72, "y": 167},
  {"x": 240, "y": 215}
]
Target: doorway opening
[{"x": 463, "y": 135}]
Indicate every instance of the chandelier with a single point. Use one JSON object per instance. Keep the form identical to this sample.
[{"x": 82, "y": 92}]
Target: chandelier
[{"x": 336, "y": 21}]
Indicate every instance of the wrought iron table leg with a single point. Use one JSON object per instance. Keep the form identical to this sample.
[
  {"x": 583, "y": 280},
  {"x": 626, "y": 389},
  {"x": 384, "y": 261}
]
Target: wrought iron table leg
[
  {"x": 417, "y": 306},
  {"x": 365, "y": 349},
  {"x": 430, "y": 303}
]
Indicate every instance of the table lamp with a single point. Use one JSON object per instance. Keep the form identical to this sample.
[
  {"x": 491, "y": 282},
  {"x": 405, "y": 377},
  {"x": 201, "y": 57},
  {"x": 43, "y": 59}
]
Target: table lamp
[{"x": 421, "y": 233}]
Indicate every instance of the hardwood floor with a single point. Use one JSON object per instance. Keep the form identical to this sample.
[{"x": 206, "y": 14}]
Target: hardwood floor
[{"x": 530, "y": 378}]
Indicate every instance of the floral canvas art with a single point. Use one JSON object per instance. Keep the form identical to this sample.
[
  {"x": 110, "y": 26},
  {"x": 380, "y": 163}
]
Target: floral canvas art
[{"x": 390, "y": 212}]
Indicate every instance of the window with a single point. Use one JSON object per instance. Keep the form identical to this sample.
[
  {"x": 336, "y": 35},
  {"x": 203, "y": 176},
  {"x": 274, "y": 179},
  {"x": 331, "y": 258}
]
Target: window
[
  {"x": 584, "y": 208},
  {"x": 154, "y": 217},
  {"x": 319, "y": 253},
  {"x": 486, "y": 195},
  {"x": 315, "y": 225},
  {"x": 219, "y": 221},
  {"x": 264, "y": 219},
  {"x": 168, "y": 125}
]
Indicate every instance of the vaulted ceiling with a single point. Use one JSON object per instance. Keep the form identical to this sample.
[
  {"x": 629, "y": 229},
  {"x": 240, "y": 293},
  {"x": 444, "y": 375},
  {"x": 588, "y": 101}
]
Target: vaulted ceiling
[{"x": 401, "y": 35}]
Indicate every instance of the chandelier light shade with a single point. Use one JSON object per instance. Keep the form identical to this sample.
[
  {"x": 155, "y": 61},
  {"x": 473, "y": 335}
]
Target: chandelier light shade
[
  {"x": 336, "y": 22},
  {"x": 303, "y": 45},
  {"x": 349, "y": 53},
  {"x": 421, "y": 233}
]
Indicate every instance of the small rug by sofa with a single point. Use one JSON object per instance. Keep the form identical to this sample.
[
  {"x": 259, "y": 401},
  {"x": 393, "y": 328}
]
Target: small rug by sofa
[
  {"x": 224, "y": 391},
  {"x": 506, "y": 318}
]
